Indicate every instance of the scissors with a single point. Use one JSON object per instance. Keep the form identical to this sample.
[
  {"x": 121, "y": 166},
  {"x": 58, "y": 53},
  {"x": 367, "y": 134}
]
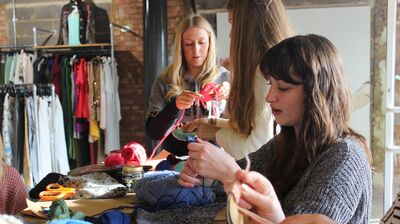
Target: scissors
[{"x": 55, "y": 191}]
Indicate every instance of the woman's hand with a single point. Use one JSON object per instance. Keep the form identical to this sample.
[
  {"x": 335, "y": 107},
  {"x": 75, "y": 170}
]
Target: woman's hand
[
  {"x": 186, "y": 99},
  {"x": 207, "y": 132},
  {"x": 195, "y": 124},
  {"x": 209, "y": 161},
  {"x": 188, "y": 178},
  {"x": 222, "y": 91},
  {"x": 203, "y": 128},
  {"x": 258, "y": 195}
]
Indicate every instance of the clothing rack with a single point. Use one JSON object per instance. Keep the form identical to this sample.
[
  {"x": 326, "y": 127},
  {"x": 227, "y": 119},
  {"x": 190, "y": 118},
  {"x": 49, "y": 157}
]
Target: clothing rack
[
  {"x": 75, "y": 50},
  {"x": 14, "y": 49},
  {"x": 34, "y": 90}
]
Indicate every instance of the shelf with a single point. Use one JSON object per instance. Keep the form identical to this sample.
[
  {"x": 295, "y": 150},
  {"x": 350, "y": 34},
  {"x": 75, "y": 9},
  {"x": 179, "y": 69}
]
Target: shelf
[{"x": 100, "y": 45}]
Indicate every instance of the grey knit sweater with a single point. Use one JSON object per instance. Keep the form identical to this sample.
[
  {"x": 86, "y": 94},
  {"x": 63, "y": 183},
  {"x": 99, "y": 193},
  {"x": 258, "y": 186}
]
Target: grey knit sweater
[{"x": 337, "y": 183}]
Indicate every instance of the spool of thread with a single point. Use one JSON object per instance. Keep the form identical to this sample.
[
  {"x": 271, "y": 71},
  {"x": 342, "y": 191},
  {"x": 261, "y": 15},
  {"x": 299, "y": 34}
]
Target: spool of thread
[{"x": 130, "y": 174}]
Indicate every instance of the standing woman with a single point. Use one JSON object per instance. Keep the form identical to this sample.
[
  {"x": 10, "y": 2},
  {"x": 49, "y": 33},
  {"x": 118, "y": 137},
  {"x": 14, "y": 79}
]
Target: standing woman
[
  {"x": 257, "y": 25},
  {"x": 13, "y": 194},
  {"x": 176, "y": 90}
]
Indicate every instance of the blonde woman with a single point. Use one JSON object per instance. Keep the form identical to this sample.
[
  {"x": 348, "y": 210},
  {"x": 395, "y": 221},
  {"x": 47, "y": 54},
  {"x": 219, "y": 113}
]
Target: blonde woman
[
  {"x": 257, "y": 25},
  {"x": 176, "y": 90}
]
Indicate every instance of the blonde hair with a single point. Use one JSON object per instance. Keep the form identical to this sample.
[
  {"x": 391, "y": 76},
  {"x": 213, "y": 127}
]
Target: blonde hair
[
  {"x": 257, "y": 25},
  {"x": 174, "y": 73}
]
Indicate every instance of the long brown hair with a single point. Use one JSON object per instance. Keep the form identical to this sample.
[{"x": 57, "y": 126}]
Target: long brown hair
[
  {"x": 316, "y": 62},
  {"x": 257, "y": 25},
  {"x": 173, "y": 74}
]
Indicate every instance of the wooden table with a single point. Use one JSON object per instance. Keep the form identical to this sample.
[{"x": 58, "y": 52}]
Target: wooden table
[{"x": 93, "y": 207}]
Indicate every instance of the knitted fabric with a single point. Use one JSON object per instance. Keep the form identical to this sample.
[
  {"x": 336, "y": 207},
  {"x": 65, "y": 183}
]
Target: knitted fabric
[
  {"x": 12, "y": 191},
  {"x": 179, "y": 215},
  {"x": 161, "y": 189},
  {"x": 114, "y": 217},
  {"x": 338, "y": 183}
]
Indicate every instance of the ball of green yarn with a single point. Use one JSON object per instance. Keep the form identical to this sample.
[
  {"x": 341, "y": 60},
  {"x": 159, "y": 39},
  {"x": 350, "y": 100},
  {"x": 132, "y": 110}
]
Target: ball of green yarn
[{"x": 179, "y": 166}]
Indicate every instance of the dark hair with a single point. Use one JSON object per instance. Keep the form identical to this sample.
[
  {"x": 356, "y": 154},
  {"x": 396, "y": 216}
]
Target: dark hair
[{"x": 314, "y": 60}]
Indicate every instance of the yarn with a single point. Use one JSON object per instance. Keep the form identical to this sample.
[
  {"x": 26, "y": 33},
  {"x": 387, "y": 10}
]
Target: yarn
[
  {"x": 208, "y": 93},
  {"x": 114, "y": 159},
  {"x": 59, "y": 210},
  {"x": 163, "y": 165},
  {"x": 172, "y": 158},
  {"x": 114, "y": 216},
  {"x": 134, "y": 153},
  {"x": 161, "y": 189},
  {"x": 179, "y": 166}
]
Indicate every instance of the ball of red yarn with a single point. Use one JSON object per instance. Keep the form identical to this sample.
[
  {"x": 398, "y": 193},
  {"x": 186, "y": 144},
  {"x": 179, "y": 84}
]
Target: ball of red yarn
[
  {"x": 134, "y": 153},
  {"x": 114, "y": 159}
]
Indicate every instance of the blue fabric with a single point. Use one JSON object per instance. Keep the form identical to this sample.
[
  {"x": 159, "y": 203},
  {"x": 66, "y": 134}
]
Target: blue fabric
[
  {"x": 114, "y": 217},
  {"x": 163, "y": 165},
  {"x": 161, "y": 189},
  {"x": 68, "y": 221}
]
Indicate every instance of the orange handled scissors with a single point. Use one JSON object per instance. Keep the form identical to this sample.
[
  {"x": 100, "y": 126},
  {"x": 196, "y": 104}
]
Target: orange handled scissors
[{"x": 55, "y": 191}]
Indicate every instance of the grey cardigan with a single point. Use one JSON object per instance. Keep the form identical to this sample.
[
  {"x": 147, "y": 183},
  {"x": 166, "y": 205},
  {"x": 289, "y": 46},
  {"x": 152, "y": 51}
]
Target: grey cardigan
[{"x": 338, "y": 183}]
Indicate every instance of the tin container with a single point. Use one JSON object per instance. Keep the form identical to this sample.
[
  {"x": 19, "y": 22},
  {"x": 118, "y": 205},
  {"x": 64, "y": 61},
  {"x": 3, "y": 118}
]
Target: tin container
[{"x": 130, "y": 174}]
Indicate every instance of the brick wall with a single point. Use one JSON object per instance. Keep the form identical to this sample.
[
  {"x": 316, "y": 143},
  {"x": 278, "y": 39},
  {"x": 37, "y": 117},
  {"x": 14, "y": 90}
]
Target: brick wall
[
  {"x": 130, "y": 59},
  {"x": 129, "y": 47},
  {"x": 3, "y": 25}
]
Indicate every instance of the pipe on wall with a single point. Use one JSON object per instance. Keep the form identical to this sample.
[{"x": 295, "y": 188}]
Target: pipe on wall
[{"x": 155, "y": 48}]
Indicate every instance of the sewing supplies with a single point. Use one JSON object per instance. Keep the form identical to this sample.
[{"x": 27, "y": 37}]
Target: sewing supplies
[
  {"x": 55, "y": 191},
  {"x": 207, "y": 93},
  {"x": 182, "y": 135},
  {"x": 130, "y": 174}
]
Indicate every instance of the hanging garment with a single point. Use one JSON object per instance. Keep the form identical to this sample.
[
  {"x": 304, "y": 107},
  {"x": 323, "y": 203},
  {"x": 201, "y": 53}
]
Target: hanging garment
[
  {"x": 61, "y": 156},
  {"x": 65, "y": 98},
  {"x": 95, "y": 66},
  {"x": 18, "y": 140},
  {"x": 44, "y": 150},
  {"x": 41, "y": 72},
  {"x": 27, "y": 172},
  {"x": 8, "y": 128},
  {"x": 9, "y": 60},
  {"x": 33, "y": 131},
  {"x": 86, "y": 23},
  {"x": 73, "y": 27},
  {"x": 20, "y": 68},
  {"x": 28, "y": 75},
  {"x": 81, "y": 89},
  {"x": 112, "y": 140},
  {"x": 12, "y": 68},
  {"x": 2, "y": 67}
]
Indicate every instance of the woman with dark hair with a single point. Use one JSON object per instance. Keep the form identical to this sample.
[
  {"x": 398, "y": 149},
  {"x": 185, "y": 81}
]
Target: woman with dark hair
[{"x": 317, "y": 164}]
